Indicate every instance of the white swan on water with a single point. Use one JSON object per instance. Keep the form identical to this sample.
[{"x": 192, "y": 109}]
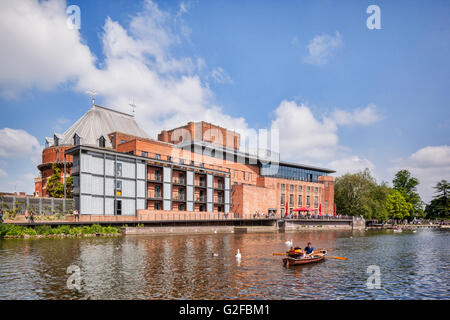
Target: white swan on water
[
  {"x": 288, "y": 243},
  {"x": 238, "y": 254}
]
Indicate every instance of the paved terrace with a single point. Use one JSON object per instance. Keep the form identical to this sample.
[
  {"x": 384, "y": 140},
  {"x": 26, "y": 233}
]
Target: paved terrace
[{"x": 176, "y": 219}]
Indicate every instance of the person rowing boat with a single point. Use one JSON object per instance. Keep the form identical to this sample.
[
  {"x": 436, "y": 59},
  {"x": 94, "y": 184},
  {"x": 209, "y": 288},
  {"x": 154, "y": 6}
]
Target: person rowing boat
[{"x": 308, "y": 251}]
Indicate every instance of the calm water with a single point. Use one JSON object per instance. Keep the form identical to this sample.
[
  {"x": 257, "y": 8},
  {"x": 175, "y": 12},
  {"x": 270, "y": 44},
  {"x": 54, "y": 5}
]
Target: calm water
[{"x": 413, "y": 266}]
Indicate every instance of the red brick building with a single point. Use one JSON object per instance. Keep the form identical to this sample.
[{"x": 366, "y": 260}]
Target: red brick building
[{"x": 255, "y": 186}]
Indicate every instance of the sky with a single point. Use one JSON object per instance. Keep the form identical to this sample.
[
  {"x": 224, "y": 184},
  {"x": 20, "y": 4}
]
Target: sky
[{"x": 340, "y": 95}]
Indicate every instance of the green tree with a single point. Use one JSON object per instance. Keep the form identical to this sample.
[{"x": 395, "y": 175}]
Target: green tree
[
  {"x": 397, "y": 206},
  {"x": 55, "y": 188},
  {"x": 439, "y": 207},
  {"x": 358, "y": 194},
  {"x": 407, "y": 186}
]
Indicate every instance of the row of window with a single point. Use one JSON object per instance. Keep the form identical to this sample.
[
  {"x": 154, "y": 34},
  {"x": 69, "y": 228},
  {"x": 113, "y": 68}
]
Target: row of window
[
  {"x": 300, "y": 188},
  {"x": 287, "y": 172},
  {"x": 300, "y": 200},
  {"x": 181, "y": 207}
]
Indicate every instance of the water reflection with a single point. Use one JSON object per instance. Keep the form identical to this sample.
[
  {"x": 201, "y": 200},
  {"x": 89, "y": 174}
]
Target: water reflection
[{"x": 413, "y": 266}]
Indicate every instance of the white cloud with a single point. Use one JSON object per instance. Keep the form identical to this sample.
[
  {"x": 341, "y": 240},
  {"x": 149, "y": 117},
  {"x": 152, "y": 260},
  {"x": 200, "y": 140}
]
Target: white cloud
[
  {"x": 321, "y": 48},
  {"x": 365, "y": 116},
  {"x": 220, "y": 76},
  {"x": 3, "y": 173},
  {"x": 430, "y": 165},
  {"x": 38, "y": 49},
  {"x": 303, "y": 136},
  {"x": 18, "y": 144},
  {"x": 351, "y": 164}
]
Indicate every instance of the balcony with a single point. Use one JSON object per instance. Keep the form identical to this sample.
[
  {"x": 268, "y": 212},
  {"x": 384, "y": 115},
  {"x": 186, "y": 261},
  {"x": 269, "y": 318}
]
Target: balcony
[
  {"x": 219, "y": 185},
  {"x": 200, "y": 199},
  {"x": 179, "y": 181},
  {"x": 156, "y": 179},
  {"x": 200, "y": 184},
  {"x": 219, "y": 200},
  {"x": 179, "y": 197},
  {"x": 155, "y": 196}
]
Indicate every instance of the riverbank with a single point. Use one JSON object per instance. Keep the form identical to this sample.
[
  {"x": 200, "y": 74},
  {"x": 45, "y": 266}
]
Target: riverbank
[{"x": 11, "y": 231}]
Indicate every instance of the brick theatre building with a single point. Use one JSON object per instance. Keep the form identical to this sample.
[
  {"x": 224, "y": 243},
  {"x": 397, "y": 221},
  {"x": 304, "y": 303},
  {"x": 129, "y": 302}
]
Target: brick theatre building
[{"x": 118, "y": 169}]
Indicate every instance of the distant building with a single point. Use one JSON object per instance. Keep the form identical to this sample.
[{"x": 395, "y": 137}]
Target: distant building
[{"x": 198, "y": 167}]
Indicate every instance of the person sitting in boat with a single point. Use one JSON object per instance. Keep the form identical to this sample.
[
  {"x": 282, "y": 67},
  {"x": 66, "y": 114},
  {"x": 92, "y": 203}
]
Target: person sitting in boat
[{"x": 308, "y": 250}]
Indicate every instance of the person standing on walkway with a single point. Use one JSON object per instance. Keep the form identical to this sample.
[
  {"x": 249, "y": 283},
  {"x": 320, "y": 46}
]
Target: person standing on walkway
[
  {"x": 31, "y": 216},
  {"x": 1, "y": 216},
  {"x": 76, "y": 215},
  {"x": 26, "y": 215}
]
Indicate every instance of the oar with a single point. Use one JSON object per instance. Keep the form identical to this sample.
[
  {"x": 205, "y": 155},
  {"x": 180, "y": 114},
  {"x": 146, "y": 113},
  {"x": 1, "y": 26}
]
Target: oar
[
  {"x": 339, "y": 258},
  {"x": 278, "y": 254}
]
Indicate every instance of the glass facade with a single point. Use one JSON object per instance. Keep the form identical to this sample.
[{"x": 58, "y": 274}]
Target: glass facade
[{"x": 293, "y": 173}]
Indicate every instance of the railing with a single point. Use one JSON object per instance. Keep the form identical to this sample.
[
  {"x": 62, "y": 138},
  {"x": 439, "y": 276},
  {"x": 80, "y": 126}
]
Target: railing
[
  {"x": 179, "y": 181},
  {"x": 200, "y": 184},
  {"x": 219, "y": 186},
  {"x": 179, "y": 197},
  {"x": 155, "y": 195},
  {"x": 155, "y": 179},
  {"x": 219, "y": 199},
  {"x": 200, "y": 199}
]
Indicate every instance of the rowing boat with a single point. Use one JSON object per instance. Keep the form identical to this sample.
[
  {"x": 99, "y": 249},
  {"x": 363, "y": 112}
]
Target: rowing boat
[{"x": 290, "y": 261}]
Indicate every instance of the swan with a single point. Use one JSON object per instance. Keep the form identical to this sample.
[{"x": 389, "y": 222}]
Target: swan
[
  {"x": 215, "y": 254},
  {"x": 238, "y": 254},
  {"x": 288, "y": 243}
]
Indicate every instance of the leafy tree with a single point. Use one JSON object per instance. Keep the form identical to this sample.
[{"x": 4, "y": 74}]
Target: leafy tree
[
  {"x": 397, "y": 206},
  {"x": 55, "y": 188},
  {"x": 439, "y": 207},
  {"x": 407, "y": 186},
  {"x": 358, "y": 194}
]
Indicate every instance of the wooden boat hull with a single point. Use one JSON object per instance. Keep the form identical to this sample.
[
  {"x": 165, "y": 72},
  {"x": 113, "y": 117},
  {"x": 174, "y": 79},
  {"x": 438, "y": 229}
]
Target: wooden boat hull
[{"x": 289, "y": 261}]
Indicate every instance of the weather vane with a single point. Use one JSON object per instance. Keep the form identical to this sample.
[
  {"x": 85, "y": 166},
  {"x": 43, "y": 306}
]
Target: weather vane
[
  {"x": 132, "y": 105},
  {"x": 92, "y": 93}
]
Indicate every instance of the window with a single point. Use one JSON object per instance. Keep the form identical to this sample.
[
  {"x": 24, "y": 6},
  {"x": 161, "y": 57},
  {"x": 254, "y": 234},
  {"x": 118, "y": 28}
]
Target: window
[
  {"x": 76, "y": 139},
  {"x": 202, "y": 208},
  {"x": 249, "y": 176},
  {"x": 122, "y": 141},
  {"x": 118, "y": 188},
  {"x": 144, "y": 154},
  {"x": 182, "y": 161},
  {"x": 291, "y": 188},
  {"x": 243, "y": 175},
  {"x": 326, "y": 183},
  {"x": 157, "y": 156},
  {"x": 181, "y": 207},
  {"x": 316, "y": 190},
  {"x": 299, "y": 188},
  {"x": 300, "y": 203},
  {"x": 219, "y": 209},
  {"x": 291, "y": 200},
  {"x": 192, "y": 162},
  {"x": 282, "y": 198},
  {"x": 326, "y": 204},
  {"x": 202, "y": 164},
  {"x": 282, "y": 186},
  {"x": 102, "y": 142},
  {"x": 170, "y": 158},
  {"x": 316, "y": 202},
  {"x": 157, "y": 191},
  {"x": 308, "y": 203},
  {"x": 118, "y": 169},
  {"x": 308, "y": 189},
  {"x": 157, "y": 206}
]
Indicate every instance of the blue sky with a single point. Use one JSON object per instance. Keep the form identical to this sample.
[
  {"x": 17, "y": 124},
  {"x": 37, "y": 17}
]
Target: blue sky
[{"x": 341, "y": 95}]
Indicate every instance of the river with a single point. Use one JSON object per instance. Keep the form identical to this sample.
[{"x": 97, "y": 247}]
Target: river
[{"x": 411, "y": 265}]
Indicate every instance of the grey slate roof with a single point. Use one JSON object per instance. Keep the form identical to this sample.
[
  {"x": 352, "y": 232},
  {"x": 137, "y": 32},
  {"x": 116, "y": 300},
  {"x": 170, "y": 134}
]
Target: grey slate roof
[{"x": 100, "y": 121}]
